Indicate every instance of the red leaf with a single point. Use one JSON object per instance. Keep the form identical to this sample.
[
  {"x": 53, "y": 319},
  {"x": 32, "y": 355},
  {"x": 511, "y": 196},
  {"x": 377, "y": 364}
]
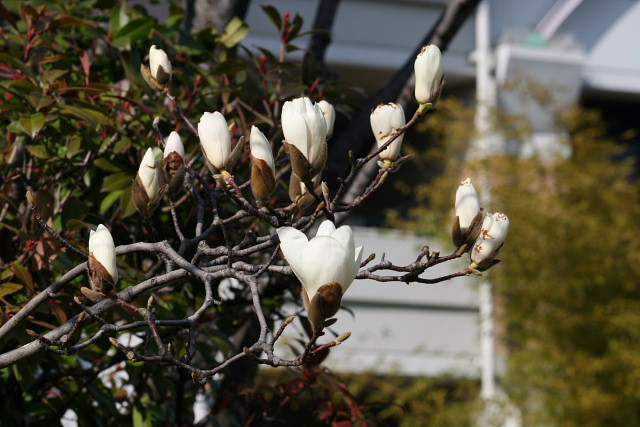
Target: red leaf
[{"x": 86, "y": 66}]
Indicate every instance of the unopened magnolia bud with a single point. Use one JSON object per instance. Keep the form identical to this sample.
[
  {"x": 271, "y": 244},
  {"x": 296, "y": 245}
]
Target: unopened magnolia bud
[
  {"x": 173, "y": 167},
  {"x": 491, "y": 239},
  {"x": 147, "y": 184},
  {"x": 263, "y": 181},
  {"x": 325, "y": 189},
  {"x": 30, "y": 199},
  {"x": 159, "y": 65},
  {"x": 290, "y": 319},
  {"x": 114, "y": 341},
  {"x": 103, "y": 271},
  {"x": 468, "y": 220},
  {"x": 429, "y": 72},
  {"x": 343, "y": 337},
  {"x": 386, "y": 121},
  {"x": 31, "y": 333},
  {"x": 215, "y": 139}
]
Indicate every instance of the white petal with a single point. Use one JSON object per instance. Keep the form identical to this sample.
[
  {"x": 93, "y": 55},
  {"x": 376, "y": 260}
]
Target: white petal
[
  {"x": 215, "y": 138},
  {"x": 329, "y": 115},
  {"x": 353, "y": 271},
  {"x": 325, "y": 261},
  {"x": 173, "y": 144},
  {"x": 260, "y": 147},
  {"x": 344, "y": 235},
  {"x": 386, "y": 120},
  {"x": 158, "y": 57},
  {"x": 292, "y": 245},
  {"x": 467, "y": 203},
  {"x": 103, "y": 248},
  {"x": 294, "y": 127},
  {"x": 327, "y": 228},
  {"x": 428, "y": 70},
  {"x": 149, "y": 175}
]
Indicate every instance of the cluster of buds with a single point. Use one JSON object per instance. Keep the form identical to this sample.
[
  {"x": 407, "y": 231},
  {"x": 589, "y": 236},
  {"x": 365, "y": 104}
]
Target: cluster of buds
[
  {"x": 483, "y": 237},
  {"x": 325, "y": 265}
]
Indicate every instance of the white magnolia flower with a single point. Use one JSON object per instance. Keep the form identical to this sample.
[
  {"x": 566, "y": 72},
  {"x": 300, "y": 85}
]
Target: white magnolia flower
[
  {"x": 467, "y": 203},
  {"x": 305, "y": 127},
  {"x": 149, "y": 175},
  {"x": 215, "y": 139},
  {"x": 329, "y": 115},
  {"x": 103, "y": 249},
  {"x": 159, "y": 65},
  {"x": 386, "y": 120},
  {"x": 492, "y": 235},
  {"x": 428, "y": 70},
  {"x": 173, "y": 144},
  {"x": 329, "y": 257}
]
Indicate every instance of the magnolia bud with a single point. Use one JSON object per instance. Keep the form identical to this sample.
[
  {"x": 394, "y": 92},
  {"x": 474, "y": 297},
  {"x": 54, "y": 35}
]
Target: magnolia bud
[
  {"x": 103, "y": 271},
  {"x": 263, "y": 180},
  {"x": 429, "y": 74},
  {"x": 215, "y": 139},
  {"x": 329, "y": 115},
  {"x": 492, "y": 236},
  {"x": 468, "y": 221},
  {"x": 159, "y": 65},
  {"x": 146, "y": 186},
  {"x": 386, "y": 121},
  {"x": 173, "y": 162},
  {"x": 305, "y": 132}
]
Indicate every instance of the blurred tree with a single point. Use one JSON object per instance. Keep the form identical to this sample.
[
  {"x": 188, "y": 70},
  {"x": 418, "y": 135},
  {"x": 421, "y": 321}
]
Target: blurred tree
[{"x": 568, "y": 290}]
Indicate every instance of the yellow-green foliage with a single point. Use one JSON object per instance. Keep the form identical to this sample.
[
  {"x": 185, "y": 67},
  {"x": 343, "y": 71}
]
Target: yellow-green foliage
[{"x": 568, "y": 289}]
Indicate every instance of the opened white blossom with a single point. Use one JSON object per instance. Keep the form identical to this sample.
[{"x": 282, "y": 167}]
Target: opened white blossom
[
  {"x": 159, "y": 65},
  {"x": 492, "y": 235},
  {"x": 387, "y": 120},
  {"x": 215, "y": 138},
  {"x": 331, "y": 256},
  {"x": 329, "y": 115},
  {"x": 173, "y": 144},
  {"x": 429, "y": 71},
  {"x": 103, "y": 249},
  {"x": 149, "y": 175},
  {"x": 467, "y": 203},
  {"x": 305, "y": 127}
]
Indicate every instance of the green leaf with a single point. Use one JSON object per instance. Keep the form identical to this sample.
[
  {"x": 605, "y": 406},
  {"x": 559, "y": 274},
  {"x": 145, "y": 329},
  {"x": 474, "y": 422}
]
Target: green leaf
[
  {"x": 32, "y": 124},
  {"x": 87, "y": 113},
  {"x": 235, "y": 31},
  {"x": 106, "y": 164},
  {"x": 22, "y": 274},
  {"x": 133, "y": 31},
  {"x": 50, "y": 76},
  {"x": 126, "y": 204},
  {"x": 119, "y": 17},
  {"x": 116, "y": 181},
  {"x": 273, "y": 15},
  {"x": 229, "y": 66},
  {"x": 39, "y": 101},
  {"x": 39, "y": 151},
  {"x": 9, "y": 288},
  {"x": 109, "y": 200}
]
